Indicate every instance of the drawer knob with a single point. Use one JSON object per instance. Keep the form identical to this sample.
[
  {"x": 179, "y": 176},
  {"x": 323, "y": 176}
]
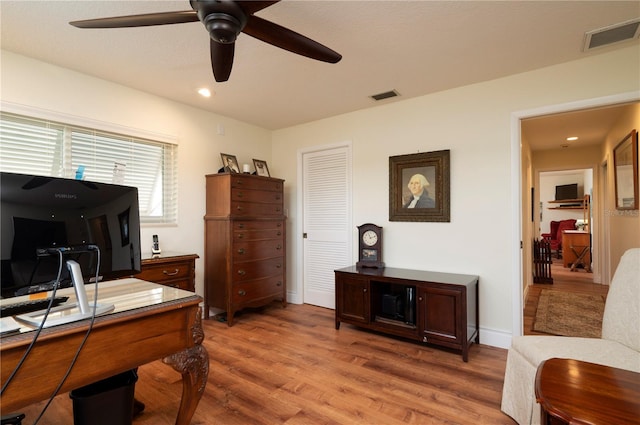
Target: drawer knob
[
  {"x": 278, "y": 266},
  {"x": 419, "y": 298},
  {"x": 279, "y": 224},
  {"x": 279, "y": 283},
  {"x": 242, "y": 272},
  {"x": 242, "y": 292},
  {"x": 278, "y": 197},
  {"x": 240, "y": 225},
  {"x": 278, "y": 209},
  {"x": 239, "y": 208},
  {"x": 240, "y": 235},
  {"x": 240, "y": 194},
  {"x": 424, "y": 339},
  {"x": 241, "y": 251},
  {"x": 364, "y": 289},
  {"x": 279, "y": 247},
  {"x": 173, "y": 273},
  {"x": 279, "y": 233}
]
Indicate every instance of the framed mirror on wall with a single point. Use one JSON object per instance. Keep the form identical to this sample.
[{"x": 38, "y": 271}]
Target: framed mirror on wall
[{"x": 625, "y": 160}]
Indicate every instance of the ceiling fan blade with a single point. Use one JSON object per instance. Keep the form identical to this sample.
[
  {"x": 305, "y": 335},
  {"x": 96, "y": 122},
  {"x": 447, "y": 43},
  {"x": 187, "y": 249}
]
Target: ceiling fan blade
[
  {"x": 145, "y": 20},
  {"x": 221, "y": 59},
  {"x": 287, "y": 39},
  {"x": 251, "y": 7}
]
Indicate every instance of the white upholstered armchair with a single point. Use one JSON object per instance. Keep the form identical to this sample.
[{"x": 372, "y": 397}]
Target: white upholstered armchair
[{"x": 619, "y": 346}]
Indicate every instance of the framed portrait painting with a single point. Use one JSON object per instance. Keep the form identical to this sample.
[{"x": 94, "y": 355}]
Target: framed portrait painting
[{"x": 419, "y": 187}]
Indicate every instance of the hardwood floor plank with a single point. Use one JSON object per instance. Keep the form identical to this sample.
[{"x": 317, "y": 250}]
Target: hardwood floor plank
[{"x": 291, "y": 366}]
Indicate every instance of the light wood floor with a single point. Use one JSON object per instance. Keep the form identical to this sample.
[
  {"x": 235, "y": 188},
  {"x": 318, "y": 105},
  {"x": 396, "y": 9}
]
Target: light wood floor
[{"x": 290, "y": 366}]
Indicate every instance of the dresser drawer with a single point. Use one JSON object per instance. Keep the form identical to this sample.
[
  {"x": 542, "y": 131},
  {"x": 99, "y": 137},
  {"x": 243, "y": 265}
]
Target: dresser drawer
[
  {"x": 256, "y": 250},
  {"x": 242, "y": 293},
  {"x": 249, "y": 270},
  {"x": 252, "y": 235},
  {"x": 246, "y": 195},
  {"x": 251, "y": 182},
  {"x": 160, "y": 273},
  {"x": 257, "y": 224},
  {"x": 244, "y": 209},
  {"x": 170, "y": 269}
]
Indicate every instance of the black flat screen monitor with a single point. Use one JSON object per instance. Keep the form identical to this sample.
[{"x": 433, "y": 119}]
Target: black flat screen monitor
[
  {"x": 40, "y": 216},
  {"x": 567, "y": 191}
]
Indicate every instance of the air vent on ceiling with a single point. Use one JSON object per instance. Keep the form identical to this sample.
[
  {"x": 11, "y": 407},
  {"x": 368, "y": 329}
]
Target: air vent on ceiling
[
  {"x": 612, "y": 34},
  {"x": 385, "y": 95}
]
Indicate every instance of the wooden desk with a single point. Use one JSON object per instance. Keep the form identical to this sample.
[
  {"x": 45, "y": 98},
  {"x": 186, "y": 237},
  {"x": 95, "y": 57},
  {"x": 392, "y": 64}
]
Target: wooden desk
[
  {"x": 150, "y": 322},
  {"x": 574, "y": 392},
  {"x": 574, "y": 242}
]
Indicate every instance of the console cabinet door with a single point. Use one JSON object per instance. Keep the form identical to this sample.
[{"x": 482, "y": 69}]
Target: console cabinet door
[
  {"x": 352, "y": 298},
  {"x": 440, "y": 316}
]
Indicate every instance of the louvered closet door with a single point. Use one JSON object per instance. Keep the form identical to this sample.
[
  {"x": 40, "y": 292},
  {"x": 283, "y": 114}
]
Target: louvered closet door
[{"x": 327, "y": 221}]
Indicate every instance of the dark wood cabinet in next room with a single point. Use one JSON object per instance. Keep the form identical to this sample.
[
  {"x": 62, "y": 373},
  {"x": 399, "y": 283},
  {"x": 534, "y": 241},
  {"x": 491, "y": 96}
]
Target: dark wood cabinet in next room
[{"x": 244, "y": 242}]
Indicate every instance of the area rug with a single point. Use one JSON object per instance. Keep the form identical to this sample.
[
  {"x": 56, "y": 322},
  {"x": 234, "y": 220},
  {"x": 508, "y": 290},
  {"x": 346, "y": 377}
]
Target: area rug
[{"x": 569, "y": 314}]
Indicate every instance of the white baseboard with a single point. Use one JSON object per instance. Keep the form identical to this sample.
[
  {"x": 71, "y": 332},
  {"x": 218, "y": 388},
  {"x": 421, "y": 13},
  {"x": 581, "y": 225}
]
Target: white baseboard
[{"x": 495, "y": 338}]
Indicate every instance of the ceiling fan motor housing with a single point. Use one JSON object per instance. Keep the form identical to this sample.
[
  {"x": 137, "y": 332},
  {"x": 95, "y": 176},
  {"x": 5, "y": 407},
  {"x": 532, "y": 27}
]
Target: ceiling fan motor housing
[{"x": 224, "y": 20}]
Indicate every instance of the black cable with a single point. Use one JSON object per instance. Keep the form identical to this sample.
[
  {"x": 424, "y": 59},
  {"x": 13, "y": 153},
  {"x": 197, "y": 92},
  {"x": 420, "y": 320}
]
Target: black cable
[
  {"x": 84, "y": 340},
  {"x": 37, "y": 334}
]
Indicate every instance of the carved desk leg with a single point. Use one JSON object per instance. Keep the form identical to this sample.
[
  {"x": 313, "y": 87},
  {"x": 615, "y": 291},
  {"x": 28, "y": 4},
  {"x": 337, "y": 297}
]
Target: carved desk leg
[{"x": 193, "y": 364}]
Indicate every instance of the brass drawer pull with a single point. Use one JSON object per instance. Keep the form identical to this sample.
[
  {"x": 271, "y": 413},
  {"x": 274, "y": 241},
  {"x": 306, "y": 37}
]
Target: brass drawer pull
[
  {"x": 241, "y": 251},
  {"x": 173, "y": 273},
  {"x": 242, "y": 272},
  {"x": 242, "y": 292}
]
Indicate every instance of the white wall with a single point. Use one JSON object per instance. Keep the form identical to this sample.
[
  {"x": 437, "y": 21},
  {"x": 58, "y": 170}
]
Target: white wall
[
  {"x": 59, "y": 92},
  {"x": 474, "y": 122}
]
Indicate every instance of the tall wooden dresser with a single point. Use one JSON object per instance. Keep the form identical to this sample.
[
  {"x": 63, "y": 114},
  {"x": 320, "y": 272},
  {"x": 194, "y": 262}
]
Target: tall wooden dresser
[{"x": 244, "y": 242}]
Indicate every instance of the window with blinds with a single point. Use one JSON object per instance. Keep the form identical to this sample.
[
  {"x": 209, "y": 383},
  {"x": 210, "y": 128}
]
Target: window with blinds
[{"x": 40, "y": 147}]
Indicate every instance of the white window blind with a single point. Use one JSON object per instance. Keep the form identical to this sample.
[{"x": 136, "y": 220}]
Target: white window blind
[{"x": 40, "y": 147}]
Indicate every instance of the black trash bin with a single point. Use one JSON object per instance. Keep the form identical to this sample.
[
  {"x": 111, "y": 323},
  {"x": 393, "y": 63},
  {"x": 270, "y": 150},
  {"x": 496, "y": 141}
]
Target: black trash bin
[{"x": 106, "y": 402}]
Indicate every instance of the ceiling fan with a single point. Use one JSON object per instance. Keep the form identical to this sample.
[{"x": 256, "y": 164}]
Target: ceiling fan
[{"x": 225, "y": 20}]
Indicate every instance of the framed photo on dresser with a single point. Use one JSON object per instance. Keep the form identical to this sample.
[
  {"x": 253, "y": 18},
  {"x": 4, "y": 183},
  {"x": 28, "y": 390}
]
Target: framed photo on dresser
[{"x": 261, "y": 168}]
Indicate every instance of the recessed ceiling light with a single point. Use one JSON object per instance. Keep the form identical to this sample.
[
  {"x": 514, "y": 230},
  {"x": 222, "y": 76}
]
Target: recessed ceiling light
[
  {"x": 572, "y": 138},
  {"x": 205, "y": 92}
]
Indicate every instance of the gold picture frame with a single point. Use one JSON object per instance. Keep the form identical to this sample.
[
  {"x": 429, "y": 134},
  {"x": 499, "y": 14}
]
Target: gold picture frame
[
  {"x": 419, "y": 187},
  {"x": 625, "y": 167}
]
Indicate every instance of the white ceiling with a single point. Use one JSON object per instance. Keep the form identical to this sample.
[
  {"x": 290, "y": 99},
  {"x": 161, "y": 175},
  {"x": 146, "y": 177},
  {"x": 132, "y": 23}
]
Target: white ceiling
[{"x": 414, "y": 47}]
